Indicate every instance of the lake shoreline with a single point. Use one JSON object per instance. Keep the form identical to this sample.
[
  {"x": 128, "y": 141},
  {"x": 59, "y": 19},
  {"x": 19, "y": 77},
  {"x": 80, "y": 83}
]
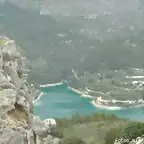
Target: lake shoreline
[
  {"x": 86, "y": 95},
  {"x": 82, "y": 93},
  {"x": 52, "y": 85},
  {"x": 105, "y": 107},
  {"x": 95, "y": 104},
  {"x": 39, "y": 96}
]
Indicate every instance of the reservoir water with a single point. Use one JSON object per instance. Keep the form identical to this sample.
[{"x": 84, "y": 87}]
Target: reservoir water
[{"x": 59, "y": 102}]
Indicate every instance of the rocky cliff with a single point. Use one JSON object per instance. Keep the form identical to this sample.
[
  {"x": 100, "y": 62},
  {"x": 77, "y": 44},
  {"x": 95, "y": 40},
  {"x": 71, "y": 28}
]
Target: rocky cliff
[{"x": 18, "y": 125}]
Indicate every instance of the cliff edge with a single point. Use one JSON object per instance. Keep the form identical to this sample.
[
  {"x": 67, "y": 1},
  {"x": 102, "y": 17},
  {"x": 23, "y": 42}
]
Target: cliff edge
[{"x": 18, "y": 125}]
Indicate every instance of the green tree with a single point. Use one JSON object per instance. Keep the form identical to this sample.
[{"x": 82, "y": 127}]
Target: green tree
[
  {"x": 133, "y": 130},
  {"x": 113, "y": 82},
  {"x": 110, "y": 75},
  {"x": 91, "y": 81}
]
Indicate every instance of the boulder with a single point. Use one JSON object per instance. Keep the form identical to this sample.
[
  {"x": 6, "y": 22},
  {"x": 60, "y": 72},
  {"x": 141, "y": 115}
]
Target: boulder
[
  {"x": 50, "y": 124},
  {"x": 31, "y": 137},
  {"x": 39, "y": 127},
  {"x": 11, "y": 137}
]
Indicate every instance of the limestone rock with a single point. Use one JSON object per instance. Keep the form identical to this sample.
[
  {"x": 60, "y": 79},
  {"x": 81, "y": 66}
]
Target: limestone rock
[
  {"x": 20, "y": 72},
  {"x": 17, "y": 123},
  {"x": 2, "y": 76},
  {"x": 23, "y": 102},
  {"x": 4, "y": 81},
  {"x": 38, "y": 140},
  {"x": 13, "y": 74},
  {"x": 39, "y": 127},
  {"x": 22, "y": 92},
  {"x": 51, "y": 140},
  {"x": 56, "y": 141},
  {"x": 1, "y": 60},
  {"x": 7, "y": 99},
  {"x": 50, "y": 124},
  {"x": 48, "y": 140},
  {"x": 7, "y": 56},
  {"x": 31, "y": 137},
  {"x": 17, "y": 56},
  {"x": 11, "y": 138},
  {"x": 6, "y": 84}
]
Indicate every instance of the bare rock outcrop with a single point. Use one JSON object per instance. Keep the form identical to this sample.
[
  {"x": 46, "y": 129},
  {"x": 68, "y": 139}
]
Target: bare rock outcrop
[
  {"x": 39, "y": 127},
  {"x": 18, "y": 125}
]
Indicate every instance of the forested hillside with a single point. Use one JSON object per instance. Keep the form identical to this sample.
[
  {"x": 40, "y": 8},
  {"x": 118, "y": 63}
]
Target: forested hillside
[
  {"x": 98, "y": 129},
  {"x": 40, "y": 36},
  {"x": 66, "y": 47}
]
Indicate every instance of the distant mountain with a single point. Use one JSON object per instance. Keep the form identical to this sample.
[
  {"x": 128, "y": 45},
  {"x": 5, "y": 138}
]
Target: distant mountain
[
  {"x": 77, "y": 34},
  {"x": 141, "y": 4}
]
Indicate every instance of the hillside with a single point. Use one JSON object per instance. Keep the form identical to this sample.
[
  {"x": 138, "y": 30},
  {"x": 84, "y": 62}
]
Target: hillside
[
  {"x": 63, "y": 45},
  {"x": 91, "y": 129},
  {"x": 95, "y": 49},
  {"x": 100, "y": 129},
  {"x": 19, "y": 125}
]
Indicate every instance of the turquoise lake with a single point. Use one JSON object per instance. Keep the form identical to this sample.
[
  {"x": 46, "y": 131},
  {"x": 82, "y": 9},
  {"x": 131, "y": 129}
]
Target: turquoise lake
[{"x": 59, "y": 101}]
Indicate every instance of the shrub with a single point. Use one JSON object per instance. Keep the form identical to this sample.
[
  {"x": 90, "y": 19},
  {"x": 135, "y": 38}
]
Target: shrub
[
  {"x": 91, "y": 81},
  {"x": 110, "y": 75},
  {"x": 133, "y": 130},
  {"x": 57, "y": 134},
  {"x": 112, "y": 134},
  {"x": 72, "y": 140}
]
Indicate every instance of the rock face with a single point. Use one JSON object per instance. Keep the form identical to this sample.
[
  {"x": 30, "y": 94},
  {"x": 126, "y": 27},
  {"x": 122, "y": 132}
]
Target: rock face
[{"x": 18, "y": 125}]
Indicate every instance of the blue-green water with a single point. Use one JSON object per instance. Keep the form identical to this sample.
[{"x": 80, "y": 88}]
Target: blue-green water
[{"x": 60, "y": 102}]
